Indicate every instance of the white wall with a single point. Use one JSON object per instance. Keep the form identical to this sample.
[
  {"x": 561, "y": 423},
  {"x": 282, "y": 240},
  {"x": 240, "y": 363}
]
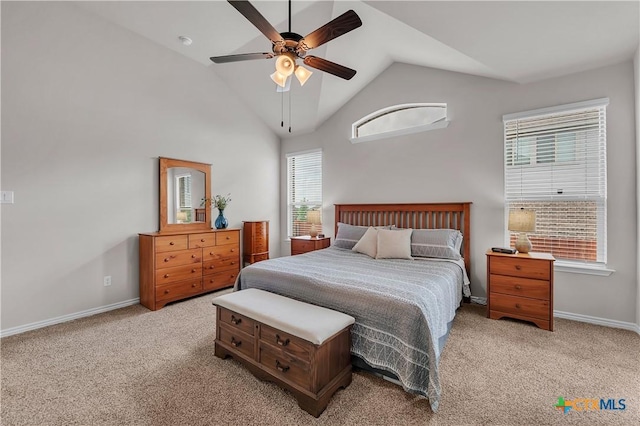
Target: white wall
[
  {"x": 464, "y": 162},
  {"x": 87, "y": 109},
  {"x": 636, "y": 74}
]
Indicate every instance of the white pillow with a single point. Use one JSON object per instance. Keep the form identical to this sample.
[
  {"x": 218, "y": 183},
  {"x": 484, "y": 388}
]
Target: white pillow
[
  {"x": 368, "y": 244},
  {"x": 394, "y": 244}
]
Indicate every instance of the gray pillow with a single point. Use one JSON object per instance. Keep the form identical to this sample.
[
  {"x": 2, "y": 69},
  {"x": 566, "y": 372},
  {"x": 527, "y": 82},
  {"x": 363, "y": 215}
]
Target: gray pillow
[
  {"x": 440, "y": 243},
  {"x": 349, "y": 235}
]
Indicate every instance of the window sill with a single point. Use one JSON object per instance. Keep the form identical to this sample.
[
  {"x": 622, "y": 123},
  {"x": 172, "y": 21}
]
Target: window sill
[{"x": 574, "y": 268}]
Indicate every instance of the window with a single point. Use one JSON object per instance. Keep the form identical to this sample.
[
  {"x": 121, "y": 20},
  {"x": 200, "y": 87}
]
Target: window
[
  {"x": 399, "y": 120},
  {"x": 555, "y": 164},
  {"x": 304, "y": 190},
  {"x": 183, "y": 195}
]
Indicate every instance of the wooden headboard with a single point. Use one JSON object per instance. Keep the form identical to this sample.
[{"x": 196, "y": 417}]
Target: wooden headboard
[{"x": 416, "y": 216}]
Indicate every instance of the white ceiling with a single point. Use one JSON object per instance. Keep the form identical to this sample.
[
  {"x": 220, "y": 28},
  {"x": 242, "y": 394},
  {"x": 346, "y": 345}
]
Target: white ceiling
[{"x": 510, "y": 40}]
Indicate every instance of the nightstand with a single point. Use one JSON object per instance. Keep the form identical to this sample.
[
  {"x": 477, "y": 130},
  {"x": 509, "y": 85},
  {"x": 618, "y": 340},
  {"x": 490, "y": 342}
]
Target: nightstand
[
  {"x": 305, "y": 244},
  {"x": 521, "y": 286}
]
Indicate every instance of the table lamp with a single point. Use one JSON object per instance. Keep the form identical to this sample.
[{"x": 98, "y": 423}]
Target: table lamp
[
  {"x": 313, "y": 217},
  {"x": 522, "y": 221}
]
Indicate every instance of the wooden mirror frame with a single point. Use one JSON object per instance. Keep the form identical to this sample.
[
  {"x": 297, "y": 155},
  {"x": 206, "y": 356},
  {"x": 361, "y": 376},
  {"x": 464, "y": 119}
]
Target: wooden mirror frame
[{"x": 167, "y": 163}]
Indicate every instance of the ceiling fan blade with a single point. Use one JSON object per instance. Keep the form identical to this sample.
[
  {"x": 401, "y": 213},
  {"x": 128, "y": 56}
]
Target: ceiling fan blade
[
  {"x": 330, "y": 67},
  {"x": 344, "y": 23},
  {"x": 240, "y": 57},
  {"x": 259, "y": 21}
]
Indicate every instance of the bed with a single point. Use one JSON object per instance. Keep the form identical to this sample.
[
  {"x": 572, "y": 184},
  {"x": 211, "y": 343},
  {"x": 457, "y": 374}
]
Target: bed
[{"x": 403, "y": 308}]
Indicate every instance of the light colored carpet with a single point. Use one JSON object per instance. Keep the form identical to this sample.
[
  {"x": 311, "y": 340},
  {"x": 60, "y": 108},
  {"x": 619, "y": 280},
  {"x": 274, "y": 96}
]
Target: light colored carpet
[{"x": 137, "y": 367}]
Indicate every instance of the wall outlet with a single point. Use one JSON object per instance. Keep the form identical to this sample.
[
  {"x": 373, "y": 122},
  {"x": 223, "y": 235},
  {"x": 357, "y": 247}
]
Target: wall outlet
[
  {"x": 107, "y": 280},
  {"x": 6, "y": 197}
]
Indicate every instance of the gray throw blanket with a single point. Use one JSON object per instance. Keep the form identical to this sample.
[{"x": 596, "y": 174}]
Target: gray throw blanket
[{"x": 401, "y": 307}]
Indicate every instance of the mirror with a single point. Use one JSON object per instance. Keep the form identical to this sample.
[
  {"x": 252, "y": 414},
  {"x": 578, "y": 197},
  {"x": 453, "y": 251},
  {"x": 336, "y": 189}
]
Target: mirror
[{"x": 183, "y": 185}]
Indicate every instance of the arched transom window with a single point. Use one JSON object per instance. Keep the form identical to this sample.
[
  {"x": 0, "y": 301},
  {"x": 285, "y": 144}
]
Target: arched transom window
[{"x": 400, "y": 120}]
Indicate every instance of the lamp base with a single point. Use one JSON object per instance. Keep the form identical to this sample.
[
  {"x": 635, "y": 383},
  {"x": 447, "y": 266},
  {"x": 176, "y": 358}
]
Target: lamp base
[
  {"x": 523, "y": 244},
  {"x": 313, "y": 232}
]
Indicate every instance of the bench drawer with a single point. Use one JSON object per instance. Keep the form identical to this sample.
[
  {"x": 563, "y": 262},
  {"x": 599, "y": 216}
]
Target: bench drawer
[
  {"x": 283, "y": 365},
  {"x": 238, "y": 340},
  {"x": 237, "y": 321},
  {"x": 291, "y": 344}
]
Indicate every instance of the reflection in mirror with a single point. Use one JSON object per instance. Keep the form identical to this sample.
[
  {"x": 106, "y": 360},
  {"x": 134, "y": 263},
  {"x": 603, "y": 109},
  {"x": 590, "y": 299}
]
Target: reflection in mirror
[
  {"x": 185, "y": 192},
  {"x": 183, "y": 186}
]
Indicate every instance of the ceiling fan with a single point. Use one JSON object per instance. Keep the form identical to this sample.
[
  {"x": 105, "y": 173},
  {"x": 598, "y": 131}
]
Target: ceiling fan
[{"x": 289, "y": 46}]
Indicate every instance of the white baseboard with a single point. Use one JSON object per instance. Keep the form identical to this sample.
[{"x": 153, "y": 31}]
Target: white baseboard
[
  {"x": 69, "y": 317},
  {"x": 579, "y": 317},
  {"x": 597, "y": 321}
]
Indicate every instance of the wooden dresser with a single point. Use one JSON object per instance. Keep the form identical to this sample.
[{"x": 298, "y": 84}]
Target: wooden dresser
[
  {"x": 521, "y": 286},
  {"x": 305, "y": 244},
  {"x": 255, "y": 243},
  {"x": 175, "y": 266}
]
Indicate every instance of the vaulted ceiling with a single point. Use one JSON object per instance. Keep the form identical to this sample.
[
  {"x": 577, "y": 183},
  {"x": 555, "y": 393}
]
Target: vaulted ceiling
[{"x": 514, "y": 41}]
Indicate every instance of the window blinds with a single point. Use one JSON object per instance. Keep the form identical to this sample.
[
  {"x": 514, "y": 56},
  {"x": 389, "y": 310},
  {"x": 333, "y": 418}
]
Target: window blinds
[
  {"x": 555, "y": 164},
  {"x": 304, "y": 189}
]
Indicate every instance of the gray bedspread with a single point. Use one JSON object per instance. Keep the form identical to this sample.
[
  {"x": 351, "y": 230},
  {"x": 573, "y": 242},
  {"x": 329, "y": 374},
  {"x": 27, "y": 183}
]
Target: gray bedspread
[{"x": 401, "y": 307}]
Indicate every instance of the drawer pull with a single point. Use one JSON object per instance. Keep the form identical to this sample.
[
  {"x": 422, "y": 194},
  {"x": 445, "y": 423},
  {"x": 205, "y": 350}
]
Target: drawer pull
[
  {"x": 193, "y": 256},
  {"x": 281, "y": 342},
  {"x": 194, "y": 284},
  {"x": 212, "y": 267},
  {"x": 235, "y": 343},
  {"x": 235, "y": 321},
  {"x": 193, "y": 270},
  {"x": 166, "y": 275},
  {"x": 171, "y": 243},
  {"x": 166, "y": 259},
  {"x": 518, "y": 287},
  {"x": 166, "y": 292},
  {"x": 232, "y": 263},
  {"x": 202, "y": 240},
  {"x": 281, "y": 368},
  {"x": 228, "y": 238},
  {"x": 232, "y": 250},
  {"x": 518, "y": 267},
  {"x": 517, "y": 305}
]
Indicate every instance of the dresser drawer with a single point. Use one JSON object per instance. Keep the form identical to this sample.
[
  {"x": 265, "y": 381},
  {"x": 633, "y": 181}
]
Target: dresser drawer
[
  {"x": 171, "y": 243},
  {"x": 520, "y": 306},
  {"x": 178, "y": 273},
  {"x": 219, "y": 280},
  {"x": 202, "y": 240},
  {"x": 520, "y": 267},
  {"x": 283, "y": 365},
  {"x": 221, "y": 252},
  {"x": 178, "y": 290},
  {"x": 516, "y": 286},
  {"x": 259, "y": 257},
  {"x": 227, "y": 237},
  {"x": 216, "y": 265},
  {"x": 177, "y": 258},
  {"x": 291, "y": 344},
  {"x": 237, "y": 339},
  {"x": 237, "y": 321}
]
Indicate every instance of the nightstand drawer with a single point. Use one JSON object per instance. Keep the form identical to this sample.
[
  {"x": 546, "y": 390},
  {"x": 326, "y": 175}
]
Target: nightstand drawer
[
  {"x": 520, "y": 267},
  {"x": 300, "y": 246},
  {"x": 516, "y": 286},
  {"x": 520, "y": 306}
]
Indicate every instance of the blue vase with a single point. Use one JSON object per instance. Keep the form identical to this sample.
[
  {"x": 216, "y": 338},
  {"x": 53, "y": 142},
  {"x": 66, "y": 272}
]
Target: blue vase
[{"x": 221, "y": 221}]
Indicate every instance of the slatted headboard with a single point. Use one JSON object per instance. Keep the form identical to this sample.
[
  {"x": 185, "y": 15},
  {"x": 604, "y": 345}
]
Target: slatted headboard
[{"x": 416, "y": 216}]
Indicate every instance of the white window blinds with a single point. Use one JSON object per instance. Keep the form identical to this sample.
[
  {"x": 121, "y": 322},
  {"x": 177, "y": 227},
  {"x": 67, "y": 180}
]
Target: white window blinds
[
  {"x": 304, "y": 189},
  {"x": 555, "y": 164}
]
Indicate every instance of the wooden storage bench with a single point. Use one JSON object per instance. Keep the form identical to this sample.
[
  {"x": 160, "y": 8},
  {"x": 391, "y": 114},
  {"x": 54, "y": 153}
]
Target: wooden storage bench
[{"x": 304, "y": 348}]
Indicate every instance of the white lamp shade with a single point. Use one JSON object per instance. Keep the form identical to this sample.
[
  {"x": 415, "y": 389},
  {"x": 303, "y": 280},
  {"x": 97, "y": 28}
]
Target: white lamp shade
[
  {"x": 279, "y": 79},
  {"x": 313, "y": 217},
  {"x": 522, "y": 220},
  {"x": 302, "y": 74},
  {"x": 285, "y": 64}
]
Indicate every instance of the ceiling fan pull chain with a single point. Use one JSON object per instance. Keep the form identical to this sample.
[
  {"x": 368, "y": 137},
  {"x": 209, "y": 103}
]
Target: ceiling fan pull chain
[
  {"x": 282, "y": 109},
  {"x": 289, "y": 111},
  {"x": 289, "y": 15}
]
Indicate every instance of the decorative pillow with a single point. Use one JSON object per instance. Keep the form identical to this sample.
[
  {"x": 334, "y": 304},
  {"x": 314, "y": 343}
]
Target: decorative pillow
[
  {"x": 368, "y": 244},
  {"x": 394, "y": 244},
  {"x": 349, "y": 235},
  {"x": 440, "y": 243}
]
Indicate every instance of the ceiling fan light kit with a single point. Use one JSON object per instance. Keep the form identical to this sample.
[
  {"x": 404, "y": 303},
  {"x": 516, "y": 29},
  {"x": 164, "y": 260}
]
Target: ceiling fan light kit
[{"x": 289, "y": 46}]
